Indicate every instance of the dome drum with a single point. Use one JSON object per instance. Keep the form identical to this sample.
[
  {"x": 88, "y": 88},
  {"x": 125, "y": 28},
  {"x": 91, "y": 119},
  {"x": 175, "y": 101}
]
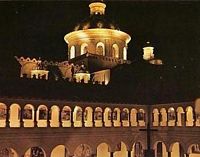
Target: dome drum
[{"x": 98, "y": 41}]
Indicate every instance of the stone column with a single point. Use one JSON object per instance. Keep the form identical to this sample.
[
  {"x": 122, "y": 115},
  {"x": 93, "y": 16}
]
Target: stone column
[
  {"x": 169, "y": 154},
  {"x": 72, "y": 118}
]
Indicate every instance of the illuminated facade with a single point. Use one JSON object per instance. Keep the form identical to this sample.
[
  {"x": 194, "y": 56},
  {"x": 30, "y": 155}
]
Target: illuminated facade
[{"x": 81, "y": 127}]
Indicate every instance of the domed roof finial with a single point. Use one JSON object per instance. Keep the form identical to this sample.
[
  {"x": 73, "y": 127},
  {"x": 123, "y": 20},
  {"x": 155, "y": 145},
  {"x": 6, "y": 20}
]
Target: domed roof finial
[{"x": 97, "y": 7}]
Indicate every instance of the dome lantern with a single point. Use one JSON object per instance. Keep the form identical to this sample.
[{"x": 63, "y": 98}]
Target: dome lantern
[{"x": 97, "y": 7}]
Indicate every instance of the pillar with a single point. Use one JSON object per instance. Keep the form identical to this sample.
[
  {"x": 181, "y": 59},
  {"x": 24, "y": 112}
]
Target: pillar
[
  {"x": 72, "y": 118},
  {"x": 21, "y": 118},
  {"x": 111, "y": 154},
  {"x": 169, "y": 154},
  {"x": 129, "y": 153},
  {"x": 7, "y": 116},
  {"x": 35, "y": 118}
]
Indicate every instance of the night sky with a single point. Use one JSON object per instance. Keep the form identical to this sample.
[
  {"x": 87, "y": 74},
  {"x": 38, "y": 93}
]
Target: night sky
[{"x": 37, "y": 29}]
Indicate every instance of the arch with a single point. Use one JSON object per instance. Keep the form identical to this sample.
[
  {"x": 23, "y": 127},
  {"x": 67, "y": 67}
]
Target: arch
[
  {"x": 98, "y": 117},
  {"x": 155, "y": 117},
  {"x": 83, "y": 150},
  {"x": 100, "y": 49},
  {"x": 163, "y": 117},
  {"x": 116, "y": 117},
  {"x": 133, "y": 117},
  {"x": 189, "y": 116},
  {"x": 115, "y": 51},
  {"x": 72, "y": 52},
  {"x": 197, "y": 112},
  {"x": 3, "y": 114},
  {"x": 121, "y": 150},
  {"x": 160, "y": 149},
  {"x": 54, "y": 116},
  {"x": 171, "y": 117},
  {"x": 125, "y": 53},
  {"x": 176, "y": 150},
  {"x": 15, "y": 115},
  {"x": 60, "y": 151},
  {"x": 34, "y": 152},
  {"x": 141, "y": 117},
  {"x": 137, "y": 150},
  {"x": 84, "y": 47},
  {"x": 88, "y": 117},
  {"x": 194, "y": 150},
  {"x": 66, "y": 116},
  {"x": 42, "y": 116},
  {"x": 78, "y": 116},
  {"x": 28, "y": 115},
  {"x": 180, "y": 116},
  {"x": 108, "y": 117},
  {"x": 8, "y": 152},
  {"x": 125, "y": 117},
  {"x": 103, "y": 150}
]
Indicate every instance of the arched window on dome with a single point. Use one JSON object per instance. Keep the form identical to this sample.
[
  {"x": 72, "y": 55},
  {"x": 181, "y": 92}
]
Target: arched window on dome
[
  {"x": 66, "y": 117},
  {"x": 100, "y": 49},
  {"x": 72, "y": 52},
  {"x": 84, "y": 47},
  {"x": 28, "y": 115},
  {"x": 42, "y": 116},
  {"x": 3, "y": 114},
  {"x": 115, "y": 51},
  {"x": 124, "y": 53},
  {"x": 171, "y": 116}
]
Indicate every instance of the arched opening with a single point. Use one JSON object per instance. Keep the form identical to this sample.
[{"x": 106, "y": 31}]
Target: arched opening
[
  {"x": 125, "y": 117},
  {"x": 35, "y": 152},
  {"x": 60, "y": 151},
  {"x": 78, "y": 116},
  {"x": 72, "y": 52},
  {"x": 66, "y": 116},
  {"x": 194, "y": 150},
  {"x": 155, "y": 117},
  {"x": 54, "y": 116},
  {"x": 115, "y": 51},
  {"x": 28, "y": 115},
  {"x": 141, "y": 117},
  {"x": 98, "y": 117},
  {"x": 116, "y": 117},
  {"x": 134, "y": 117},
  {"x": 15, "y": 115},
  {"x": 42, "y": 116},
  {"x": 100, "y": 49},
  {"x": 197, "y": 112},
  {"x": 3, "y": 114},
  {"x": 103, "y": 150},
  {"x": 107, "y": 117},
  {"x": 160, "y": 150},
  {"x": 171, "y": 117},
  {"x": 8, "y": 152},
  {"x": 88, "y": 117},
  {"x": 137, "y": 150},
  {"x": 177, "y": 150},
  {"x": 83, "y": 150},
  {"x": 163, "y": 117},
  {"x": 84, "y": 48},
  {"x": 120, "y": 150},
  {"x": 180, "y": 116},
  {"x": 189, "y": 116},
  {"x": 124, "y": 53}
]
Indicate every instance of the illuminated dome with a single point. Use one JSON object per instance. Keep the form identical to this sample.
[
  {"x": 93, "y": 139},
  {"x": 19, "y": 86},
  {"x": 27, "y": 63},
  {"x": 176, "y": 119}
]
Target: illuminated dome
[{"x": 96, "y": 21}]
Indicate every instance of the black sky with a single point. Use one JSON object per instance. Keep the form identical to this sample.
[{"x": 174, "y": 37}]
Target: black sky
[{"x": 37, "y": 28}]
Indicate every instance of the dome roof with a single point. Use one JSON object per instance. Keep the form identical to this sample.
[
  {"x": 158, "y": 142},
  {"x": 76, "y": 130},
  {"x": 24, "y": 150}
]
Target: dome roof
[{"x": 96, "y": 21}]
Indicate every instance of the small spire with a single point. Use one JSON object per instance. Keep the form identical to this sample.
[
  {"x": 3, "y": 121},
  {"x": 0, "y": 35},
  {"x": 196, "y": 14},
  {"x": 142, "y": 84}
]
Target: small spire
[{"x": 148, "y": 51}]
